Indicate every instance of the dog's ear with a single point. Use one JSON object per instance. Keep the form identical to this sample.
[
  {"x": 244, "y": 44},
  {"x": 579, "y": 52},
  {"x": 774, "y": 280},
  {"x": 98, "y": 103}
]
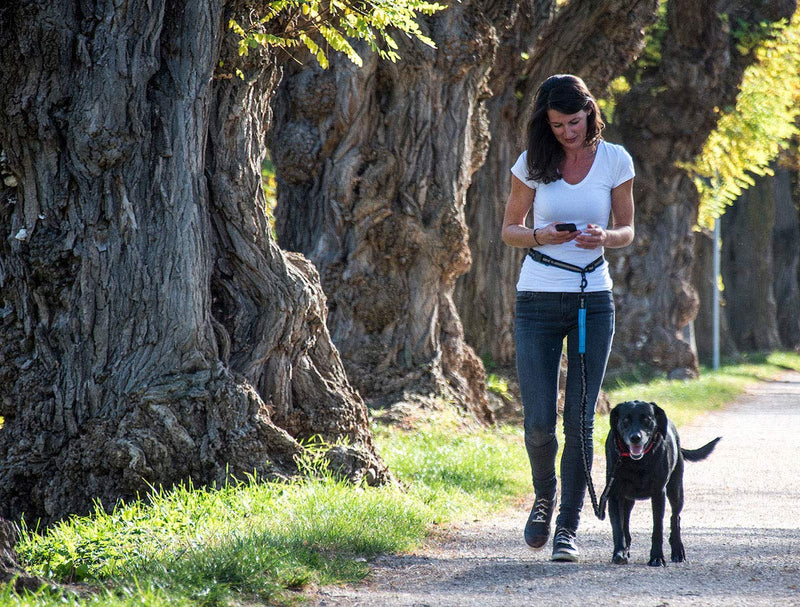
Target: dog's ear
[
  {"x": 613, "y": 419},
  {"x": 661, "y": 419}
]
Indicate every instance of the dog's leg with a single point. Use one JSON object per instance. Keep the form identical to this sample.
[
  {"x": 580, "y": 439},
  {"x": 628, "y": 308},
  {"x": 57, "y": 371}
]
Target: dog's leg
[
  {"x": 657, "y": 547},
  {"x": 619, "y": 511},
  {"x": 675, "y": 496},
  {"x": 626, "y": 514}
]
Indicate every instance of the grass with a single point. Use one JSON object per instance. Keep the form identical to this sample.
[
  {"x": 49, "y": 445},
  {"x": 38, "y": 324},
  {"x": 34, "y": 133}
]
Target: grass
[
  {"x": 255, "y": 543},
  {"x": 684, "y": 400},
  {"x": 263, "y": 541}
]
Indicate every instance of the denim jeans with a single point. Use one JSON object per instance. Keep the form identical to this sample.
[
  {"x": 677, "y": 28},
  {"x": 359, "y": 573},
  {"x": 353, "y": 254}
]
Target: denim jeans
[{"x": 542, "y": 322}]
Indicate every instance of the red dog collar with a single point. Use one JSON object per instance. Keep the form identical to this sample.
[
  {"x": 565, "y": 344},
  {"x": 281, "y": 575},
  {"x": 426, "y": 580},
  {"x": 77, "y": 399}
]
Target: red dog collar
[{"x": 621, "y": 445}]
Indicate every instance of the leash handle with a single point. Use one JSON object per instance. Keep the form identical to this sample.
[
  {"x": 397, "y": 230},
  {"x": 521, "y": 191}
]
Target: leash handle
[{"x": 582, "y": 316}]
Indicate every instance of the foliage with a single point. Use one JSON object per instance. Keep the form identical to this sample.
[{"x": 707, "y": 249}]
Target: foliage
[
  {"x": 322, "y": 25},
  {"x": 269, "y": 183},
  {"x": 617, "y": 89},
  {"x": 648, "y": 60},
  {"x": 749, "y": 137},
  {"x": 498, "y": 385},
  {"x": 650, "y": 57}
]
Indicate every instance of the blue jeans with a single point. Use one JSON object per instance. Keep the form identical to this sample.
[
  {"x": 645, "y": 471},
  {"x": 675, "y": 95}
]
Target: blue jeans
[{"x": 542, "y": 322}]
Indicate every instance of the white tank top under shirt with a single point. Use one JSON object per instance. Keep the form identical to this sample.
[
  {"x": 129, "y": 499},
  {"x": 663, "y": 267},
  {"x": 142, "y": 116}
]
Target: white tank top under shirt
[{"x": 582, "y": 203}]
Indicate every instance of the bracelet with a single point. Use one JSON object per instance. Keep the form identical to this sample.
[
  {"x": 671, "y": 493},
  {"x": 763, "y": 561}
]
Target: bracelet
[{"x": 536, "y": 239}]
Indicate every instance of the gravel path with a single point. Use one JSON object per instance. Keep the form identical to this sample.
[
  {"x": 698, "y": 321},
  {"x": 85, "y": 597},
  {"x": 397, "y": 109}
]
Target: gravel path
[{"x": 741, "y": 528}]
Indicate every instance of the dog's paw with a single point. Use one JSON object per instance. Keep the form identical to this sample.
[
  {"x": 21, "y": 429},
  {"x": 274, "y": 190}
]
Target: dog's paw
[
  {"x": 620, "y": 557},
  {"x": 657, "y": 561},
  {"x": 678, "y": 553}
]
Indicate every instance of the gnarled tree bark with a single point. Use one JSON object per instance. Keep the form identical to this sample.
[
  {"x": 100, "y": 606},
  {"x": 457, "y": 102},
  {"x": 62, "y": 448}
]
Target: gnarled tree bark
[
  {"x": 152, "y": 332},
  {"x": 373, "y": 166},
  {"x": 663, "y": 121},
  {"x": 596, "y": 40}
]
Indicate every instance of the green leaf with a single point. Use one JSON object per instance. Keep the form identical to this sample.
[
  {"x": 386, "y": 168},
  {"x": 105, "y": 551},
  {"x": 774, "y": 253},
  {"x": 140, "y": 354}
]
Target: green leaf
[
  {"x": 338, "y": 22},
  {"x": 750, "y": 135}
]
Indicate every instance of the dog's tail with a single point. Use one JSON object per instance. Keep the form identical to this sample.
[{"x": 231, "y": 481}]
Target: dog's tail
[{"x": 695, "y": 455}]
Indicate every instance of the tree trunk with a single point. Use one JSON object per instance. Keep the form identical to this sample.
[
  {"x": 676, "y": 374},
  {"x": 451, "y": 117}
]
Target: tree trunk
[
  {"x": 786, "y": 255},
  {"x": 747, "y": 268},
  {"x": 663, "y": 121},
  {"x": 373, "y": 166},
  {"x": 151, "y": 330},
  {"x": 485, "y": 295},
  {"x": 594, "y": 39}
]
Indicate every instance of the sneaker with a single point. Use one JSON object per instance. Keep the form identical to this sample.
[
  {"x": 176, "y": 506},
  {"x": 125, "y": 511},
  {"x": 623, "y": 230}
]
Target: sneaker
[
  {"x": 537, "y": 529},
  {"x": 565, "y": 548}
]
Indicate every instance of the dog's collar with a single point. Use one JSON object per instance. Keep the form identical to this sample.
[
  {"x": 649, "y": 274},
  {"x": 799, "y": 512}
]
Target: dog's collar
[{"x": 650, "y": 445}]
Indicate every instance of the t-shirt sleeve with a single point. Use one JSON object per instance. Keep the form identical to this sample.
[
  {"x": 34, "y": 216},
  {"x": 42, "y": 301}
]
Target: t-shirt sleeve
[
  {"x": 520, "y": 170},
  {"x": 624, "y": 167}
]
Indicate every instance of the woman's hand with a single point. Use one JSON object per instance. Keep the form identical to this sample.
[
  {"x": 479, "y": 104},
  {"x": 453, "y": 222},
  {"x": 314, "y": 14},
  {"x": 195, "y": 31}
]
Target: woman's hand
[
  {"x": 549, "y": 235},
  {"x": 593, "y": 237}
]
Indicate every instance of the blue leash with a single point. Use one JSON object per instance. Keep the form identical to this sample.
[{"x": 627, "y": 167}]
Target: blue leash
[{"x": 599, "y": 508}]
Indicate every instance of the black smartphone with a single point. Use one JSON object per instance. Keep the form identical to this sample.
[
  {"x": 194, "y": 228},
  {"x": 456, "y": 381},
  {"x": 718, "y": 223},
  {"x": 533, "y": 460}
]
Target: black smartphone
[{"x": 565, "y": 227}]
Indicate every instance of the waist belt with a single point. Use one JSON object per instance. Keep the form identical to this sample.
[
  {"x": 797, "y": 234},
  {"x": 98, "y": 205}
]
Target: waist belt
[{"x": 549, "y": 261}]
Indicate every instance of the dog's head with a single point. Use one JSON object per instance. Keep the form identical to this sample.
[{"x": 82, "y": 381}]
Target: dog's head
[{"x": 635, "y": 424}]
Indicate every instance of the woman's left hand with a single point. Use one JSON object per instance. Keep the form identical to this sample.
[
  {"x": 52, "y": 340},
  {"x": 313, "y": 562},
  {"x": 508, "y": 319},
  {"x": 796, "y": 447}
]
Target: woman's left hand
[{"x": 592, "y": 237}]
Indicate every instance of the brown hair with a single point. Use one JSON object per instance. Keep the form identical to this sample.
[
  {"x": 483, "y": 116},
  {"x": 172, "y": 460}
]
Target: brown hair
[{"x": 567, "y": 94}]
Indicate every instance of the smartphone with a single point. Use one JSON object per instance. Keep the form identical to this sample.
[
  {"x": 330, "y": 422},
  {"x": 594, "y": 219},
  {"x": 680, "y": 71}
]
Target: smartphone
[{"x": 565, "y": 227}]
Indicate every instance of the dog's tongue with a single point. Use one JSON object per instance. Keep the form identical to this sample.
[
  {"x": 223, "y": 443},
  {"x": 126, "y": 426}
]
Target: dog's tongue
[{"x": 637, "y": 451}]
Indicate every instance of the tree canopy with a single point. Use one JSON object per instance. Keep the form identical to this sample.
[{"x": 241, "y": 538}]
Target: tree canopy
[
  {"x": 325, "y": 25},
  {"x": 750, "y": 135}
]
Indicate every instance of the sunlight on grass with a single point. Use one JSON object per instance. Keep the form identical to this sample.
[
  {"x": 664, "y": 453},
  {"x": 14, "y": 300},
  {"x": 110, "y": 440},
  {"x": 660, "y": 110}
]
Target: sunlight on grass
[
  {"x": 458, "y": 474},
  {"x": 256, "y": 543},
  {"x": 683, "y": 400},
  {"x": 259, "y": 539},
  {"x": 252, "y": 538}
]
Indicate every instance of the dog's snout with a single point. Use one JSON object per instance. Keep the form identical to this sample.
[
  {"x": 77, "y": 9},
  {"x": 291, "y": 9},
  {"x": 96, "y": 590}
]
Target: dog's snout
[{"x": 636, "y": 438}]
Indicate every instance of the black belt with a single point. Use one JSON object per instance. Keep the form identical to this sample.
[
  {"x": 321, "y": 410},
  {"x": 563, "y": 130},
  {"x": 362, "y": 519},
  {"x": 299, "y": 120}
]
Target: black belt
[{"x": 549, "y": 261}]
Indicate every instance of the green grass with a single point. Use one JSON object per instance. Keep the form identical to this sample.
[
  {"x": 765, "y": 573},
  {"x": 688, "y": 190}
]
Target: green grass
[
  {"x": 684, "y": 400},
  {"x": 256, "y": 543},
  {"x": 457, "y": 473},
  {"x": 264, "y": 540}
]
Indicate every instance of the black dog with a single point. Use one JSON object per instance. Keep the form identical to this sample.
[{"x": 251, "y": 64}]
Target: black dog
[{"x": 644, "y": 460}]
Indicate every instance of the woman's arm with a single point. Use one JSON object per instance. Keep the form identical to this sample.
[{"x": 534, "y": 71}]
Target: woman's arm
[
  {"x": 621, "y": 234},
  {"x": 515, "y": 233},
  {"x": 519, "y": 204}
]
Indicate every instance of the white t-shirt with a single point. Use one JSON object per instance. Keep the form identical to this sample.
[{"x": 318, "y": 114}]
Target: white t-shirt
[{"x": 582, "y": 203}]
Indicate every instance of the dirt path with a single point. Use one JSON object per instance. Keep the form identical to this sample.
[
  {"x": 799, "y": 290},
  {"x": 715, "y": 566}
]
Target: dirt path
[{"x": 741, "y": 528}]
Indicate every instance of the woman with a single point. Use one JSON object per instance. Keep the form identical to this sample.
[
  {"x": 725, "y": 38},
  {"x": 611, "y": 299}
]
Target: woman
[{"x": 567, "y": 175}]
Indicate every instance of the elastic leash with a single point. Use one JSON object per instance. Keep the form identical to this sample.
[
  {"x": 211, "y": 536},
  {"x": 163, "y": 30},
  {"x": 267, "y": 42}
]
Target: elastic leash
[{"x": 599, "y": 508}]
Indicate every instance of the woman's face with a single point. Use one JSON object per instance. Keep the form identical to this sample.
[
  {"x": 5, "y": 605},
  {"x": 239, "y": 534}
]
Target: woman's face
[{"x": 569, "y": 129}]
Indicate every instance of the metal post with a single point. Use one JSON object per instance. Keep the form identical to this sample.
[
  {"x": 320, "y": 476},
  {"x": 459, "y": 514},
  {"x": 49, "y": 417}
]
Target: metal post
[{"x": 716, "y": 310}]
